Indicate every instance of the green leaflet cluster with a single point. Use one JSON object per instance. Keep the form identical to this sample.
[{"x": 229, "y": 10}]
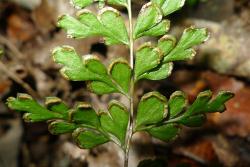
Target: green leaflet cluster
[
  {"x": 156, "y": 115},
  {"x": 154, "y": 62},
  {"x": 108, "y": 24},
  {"x": 163, "y": 119},
  {"x": 88, "y": 127},
  {"x": 89, "y": 68}
]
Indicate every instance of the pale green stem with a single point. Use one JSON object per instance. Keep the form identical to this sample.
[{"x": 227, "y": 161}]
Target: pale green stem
[
  {"x": 174, "y": 120},
  {"x": 131, "y": 100}
]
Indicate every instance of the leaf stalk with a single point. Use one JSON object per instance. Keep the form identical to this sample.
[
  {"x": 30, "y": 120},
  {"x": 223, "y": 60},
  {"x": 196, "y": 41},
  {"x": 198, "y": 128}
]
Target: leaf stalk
[{"x": 131, "y": 92}]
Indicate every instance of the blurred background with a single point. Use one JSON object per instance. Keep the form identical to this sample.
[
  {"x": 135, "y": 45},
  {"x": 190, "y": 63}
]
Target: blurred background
[{"x": 28, "y": 33}]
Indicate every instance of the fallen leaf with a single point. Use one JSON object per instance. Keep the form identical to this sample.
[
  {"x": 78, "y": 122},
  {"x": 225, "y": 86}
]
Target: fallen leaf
[
  {"x": 20, "y": 27},
  {"x": 202, "y": 151}
]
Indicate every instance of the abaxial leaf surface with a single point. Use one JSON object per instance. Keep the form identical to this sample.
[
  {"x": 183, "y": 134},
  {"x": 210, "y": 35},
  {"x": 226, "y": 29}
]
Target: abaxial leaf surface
[
  {"x": 84, "y": 114},
  {"x": 121, "y": 73},
  {"x": 108, "y": 24},
  {"x": 61, "y": 127},
  {"x": 149, "y": 16},
  {"x": 147, "y": 58},
  {"x": 169, "y": 6},
  {"x": 34, "y": 112},
  {"x": 162, "y": 71},
  {"x": 91, "y": 69},
  {"x": 74, "y": 68},
  {"x": 116, "y": 121},
  {"x": 165, "y": 132},
  {"x": 88, "y": 138},
  {"x": 151, "y": 109},
  {"x": 101, "y": 88},
  {"x": 183, "y": 50},
  {"x": 176, "y": 104}
]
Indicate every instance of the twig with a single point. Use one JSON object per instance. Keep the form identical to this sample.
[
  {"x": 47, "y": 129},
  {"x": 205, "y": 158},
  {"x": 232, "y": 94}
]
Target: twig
[
  {"x": 11, "y": 74},
  {"x": 18, "y": 80},
  {"x": 12, "y": 47}
]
